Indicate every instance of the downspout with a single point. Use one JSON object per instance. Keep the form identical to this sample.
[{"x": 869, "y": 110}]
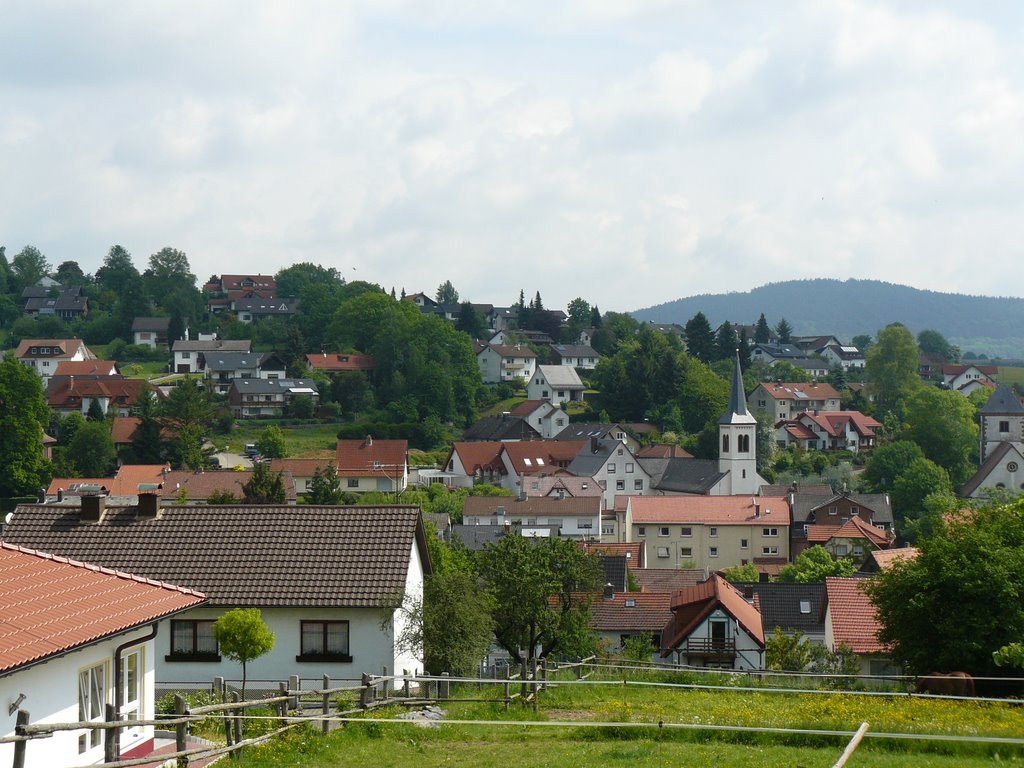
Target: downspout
[{"x": 118, "y": 703}]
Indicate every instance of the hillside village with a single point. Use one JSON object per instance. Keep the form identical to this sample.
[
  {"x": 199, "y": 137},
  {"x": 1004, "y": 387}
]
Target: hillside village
[{"x": 332, "y": 452}]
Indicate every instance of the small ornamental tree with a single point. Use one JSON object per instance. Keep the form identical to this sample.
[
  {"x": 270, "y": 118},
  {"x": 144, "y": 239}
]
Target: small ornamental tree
[
  {"x": 264, "y": 487},
  {"x": 271, "y": 443},
  {"x": 243, "y": 636}
]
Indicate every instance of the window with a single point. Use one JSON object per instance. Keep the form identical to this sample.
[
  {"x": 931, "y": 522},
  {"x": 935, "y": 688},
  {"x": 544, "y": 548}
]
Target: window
[
  {"x": 713, "y": 552},
  {"x": 686, "y": 530},
  {"x": 841, "y": 550},
  {"x": 193, "y": 641},
  {"x": 611, "y": 468},
  {"x": 854, "y": 510},
  {"x": 769, "y": 550},
  {"x": 769, "y": 531},
  {"x": 619, "y": 452},
  {"x": 324, "y": 641},
  {"x": 1004, "y": 426},
  {"x": 743, "y": 443},
  {"x": 641, "y": 530},
  {"x": 744, "y": 544},
  {"x": 559, "y": 422},
  {"x": 712, "y": 531},
  {"x": 353, "y": 482},
  {"x": 608, "y": 530},
  {"x": 686, "y": 551},
  {"x": 620, "y": 485},
  {"x": 663, "y": 531},
  {"x": 662, "y": 551},
  {"x": 638, "y": 485},
  {"x": 629, "y": 467},
  {"x": 858, "y": 550},
  {"x": 805, "y": 606},
  {"x": 131, "y": 684},
  {"x": 92, "y": 696},
  {"x": 833, "y": 511},
  {"x": 725, "y": 443}
]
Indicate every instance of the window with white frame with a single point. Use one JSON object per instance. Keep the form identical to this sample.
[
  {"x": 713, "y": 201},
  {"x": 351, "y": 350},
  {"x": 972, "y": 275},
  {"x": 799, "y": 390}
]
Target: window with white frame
[
  {"x": 629, "y": 467},
  {"x": 92, "y": 698},
  {"x": 686, "y": 551},
  {"x": 769, "y": 531},
  {"x": 638, "y": 485},
  {"x": 686, "y": 530},
  {"x": 324, "y": 641},
  {"x": 611, "y": 468},
  {"x": 769, "y": 550},
  {"x": 713, "y": 552},
  {"x": 662, "y": 551},
  {"x": 713, "y": 531},
  {"x": 620, "y": 485},
  {"x": 641, "y": 530},
  {"x": 744, "y": 544},
  {"x": 663, "y": 530}
]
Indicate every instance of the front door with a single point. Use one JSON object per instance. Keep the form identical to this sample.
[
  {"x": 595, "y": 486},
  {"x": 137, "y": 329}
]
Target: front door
[{"x": 132, "y": 675}]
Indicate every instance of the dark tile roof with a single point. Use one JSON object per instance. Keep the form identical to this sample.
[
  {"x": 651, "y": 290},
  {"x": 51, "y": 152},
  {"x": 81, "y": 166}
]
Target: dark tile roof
[
  {"x": 1003, "y": 400},
  {"x": 782, "y": 605},
  {"x": 682, "y": 475},
  {"x": 151, "y": 324},
  {"x": 475, "y": 537},
  {"x": 805, "y": 503},
  {"x": 613, "y": 571},
  {"x": 257, "y": 556},
  {"x": 501, "y": 428}
]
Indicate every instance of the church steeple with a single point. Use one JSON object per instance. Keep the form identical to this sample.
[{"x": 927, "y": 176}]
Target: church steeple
[{"x": 737, "y": 435}]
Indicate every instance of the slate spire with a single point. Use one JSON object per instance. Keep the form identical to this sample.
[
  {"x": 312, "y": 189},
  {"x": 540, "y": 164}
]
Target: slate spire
[{"x": 737, "y": 412}]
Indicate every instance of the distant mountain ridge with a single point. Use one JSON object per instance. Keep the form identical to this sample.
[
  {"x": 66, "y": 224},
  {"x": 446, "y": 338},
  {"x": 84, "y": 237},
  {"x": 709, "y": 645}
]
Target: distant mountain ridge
[{"x": 846, "y": 308}]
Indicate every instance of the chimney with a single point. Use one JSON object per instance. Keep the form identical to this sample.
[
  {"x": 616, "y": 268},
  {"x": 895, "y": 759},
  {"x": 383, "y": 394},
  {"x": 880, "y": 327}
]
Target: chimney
[
  {"x": 60, "y": 495},
  {"x": 609, "y": 592},
  {"x": 93, "y": 503},
  {"x": 369, "y": 441},
  {"x": 595, "y": 444},
  {"x": 149, "y": 500},
  {"x": 41, "y": 496}
]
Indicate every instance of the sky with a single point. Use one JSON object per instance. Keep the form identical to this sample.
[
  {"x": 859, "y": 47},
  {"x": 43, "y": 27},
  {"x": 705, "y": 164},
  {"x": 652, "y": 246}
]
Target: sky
[{"x": 629, "y": 153}]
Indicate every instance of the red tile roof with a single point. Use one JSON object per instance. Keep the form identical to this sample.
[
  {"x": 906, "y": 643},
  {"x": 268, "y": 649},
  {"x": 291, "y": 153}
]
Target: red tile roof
[
  {"x": 300, "y": 467},
  {"x": 125, "y": 483},
  {"x": 854, "y": 619},
  {"x": 715, "y": 510},
  {"x": 631, "y": 611},
  {"x": 956, "y": 370},
  {"x": 199, "y": 485},
  {"x": 68, "y": 347},
  {"x": 484, "y": 455},
  {"x": 801, "y": 391},
  {"x": 854, "y": 528},
  {"x": 668, "y": 580},
  {"x": 51, "y": 605},
  {"x": 68, "y": 392},
  {"x": 634, "y": 552},
  {"x": 884, "y": 558},
  {"x": 527, "y": 407},
  {"x": 123, "y": 429},
  {"x": 86, "y": 368},
  {"x": 336, "y": 362},
  {"x": 661, "y": 451},
  {"x": 834, "y": 422},
  {"x": 541, "y": 456},
  {"x": 371, "y": 458}
]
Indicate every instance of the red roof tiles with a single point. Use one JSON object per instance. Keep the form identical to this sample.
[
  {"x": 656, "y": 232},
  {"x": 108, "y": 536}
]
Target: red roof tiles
[
  {"x": 50, "y": 605},
  {"x": 692, "y": 605},
  {"x": 371, "y": 458},
  {"x": 853, "y": 616},
  {"x": 336, "y": 362},
  {"x": 714, "y": 510},
  {"x": 631, "y": 611}
]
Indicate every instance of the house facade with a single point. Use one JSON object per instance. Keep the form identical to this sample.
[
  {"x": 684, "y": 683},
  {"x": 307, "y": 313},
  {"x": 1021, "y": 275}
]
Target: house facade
[
  {"x": 555, "y": 383},
  {"x": 828, "y": 430},
  {"x": 189, "y": 356},
  {"x": 506, "y": 362},
  {"x": 1002, "y": 445},
  {"x": 787, "y": 400},
  {"x": 851, "y": 620},
  {"x": 253, "y": 398},
  {"x": 574, "y": 518},
  {"x": 580, "y": 356},
  {"x": 373, "y": 465},
  {"x": 44, "y": 355},
  {"x": 326, "y": 578},
  {"x": 151, "y": 332},
  {"x": 77, "y": 638}
]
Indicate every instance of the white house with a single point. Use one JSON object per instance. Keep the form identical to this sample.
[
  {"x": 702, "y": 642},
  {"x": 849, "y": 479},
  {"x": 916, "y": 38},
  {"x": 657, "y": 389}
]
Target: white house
[
  {"x": 44, "y": 355},
  {"x": 323, "y": 577},
  {"x": 967, "y": 378},
  {"x": 76, "y": 638},
  {"x": 714, "y": 626},
  {"x": 506, "y": 362},
  {"x": 546, "y": 418},
  {"x": 189, "y": 356},
  {"x": 615, "y": 468},
  {"x": 576, "y": 517},
  {"x": 556, "y": 384},
  {"x": 575, "y": 355},
  {"x": 844, "y": 356}
]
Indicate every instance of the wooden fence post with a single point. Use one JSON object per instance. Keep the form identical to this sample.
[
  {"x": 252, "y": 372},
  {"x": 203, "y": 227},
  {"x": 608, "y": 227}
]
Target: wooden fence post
[
  {"x": 522, "y": 678},
  {"x": 508, "y": 687},
  {"x": 364, "y": 693},
  {"x": 444, "y": 687},
  {"x": 237, "y": 698},
  {"x": 294, "y": 685},
  {"x": 405, "y": 683},
  {"x": 544, "y": 674},
  {"x": 181, "y": 729},
  {"x": 325, "y": 706},
  {"x": 220, "y": 691},
  {"x": 19, "y": 746},
  {"x": 387, "y": 684},
  {"x": 282, "y": 706},
  {"x": 110, "y": 751}
]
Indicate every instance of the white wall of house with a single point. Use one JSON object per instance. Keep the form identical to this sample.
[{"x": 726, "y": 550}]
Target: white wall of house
[
  {"x": 749, "y": 655},
  {"x": 570, "y": 526},
  {"x": 622, "y": 475},
  {"x": 408, "y": 658},
  {"x": 51, "y": 689}
]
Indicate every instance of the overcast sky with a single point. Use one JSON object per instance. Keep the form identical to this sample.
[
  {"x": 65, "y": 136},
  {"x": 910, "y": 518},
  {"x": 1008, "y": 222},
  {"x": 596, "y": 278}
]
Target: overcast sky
[{"x": 627, "y": 152}]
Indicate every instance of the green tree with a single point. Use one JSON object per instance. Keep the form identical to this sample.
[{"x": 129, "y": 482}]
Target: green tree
[
  {"x": 188, "y": 414},
  {"x": 148, "y": 445},
  {"x": 117, "y": 271},
  {"x": 944, "y": 424},
  {"x": 790, "y": 653},
  {"x": 725, "y": 342},
  {"x": 742, "y": 574},
  {"x": 579, "y": 312},
  {"x": 470, "y": 322},
  {"x": 784, "y": 331},
  {"x": 933, "y": 343},
  {"x": 813, "y": 565},
  {"x": 1010, "y": 655},
  {"x": 700, "y": 339},
  {"x": 69, "y": 273},
  {"x": 446, "y": 293},
  {"x": 219, "y": 497},
  {"x": 762, "y": 333},
  {"x": 242, "y": 636},
  {"x": 23, "y": 415},
  {"x": 959, "y": 600},
  {"x": 457, "y": 623},
  {"x": 639, "y": 647},
  {"x": 296, "y": 279},
  {"x": 271, "y": 444},
  {"x": 264, "y": 487},
  {"x": 892, "y": 365},
  {"x": 92, "y": 449},
  {"x": 95, "y": 411},
  {"x": 919, "y": 480},
  {"x": 29, "y": 266},
  {"x": 522, "y": 575},
  {"x": 324, "y": 487},
  {"x": 888, "y": 462}
]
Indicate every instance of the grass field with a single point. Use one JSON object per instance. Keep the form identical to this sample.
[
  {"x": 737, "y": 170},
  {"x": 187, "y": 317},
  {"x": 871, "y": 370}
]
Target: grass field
[
  {"x": 572, "y": 745},
  {"x": 301, "y": 440},
  {"x": 1010, "y": 376}
]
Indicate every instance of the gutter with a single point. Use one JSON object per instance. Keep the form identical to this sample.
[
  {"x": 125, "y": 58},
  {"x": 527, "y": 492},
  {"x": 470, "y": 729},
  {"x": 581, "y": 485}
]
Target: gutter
[{"x": 118, "y": 703}]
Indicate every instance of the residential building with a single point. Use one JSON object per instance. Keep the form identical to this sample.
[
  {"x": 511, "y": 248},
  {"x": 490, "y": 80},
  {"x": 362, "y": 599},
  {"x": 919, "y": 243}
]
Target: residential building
[
  {"x": 614, "y": 467},
  {"x": 324, "y": 578},
  {"x": 340, "y": 363},
  {"x": 537, "y": 458},
  {"x": 221, "y": 368},
  {"x": 843, "y": 356},
  {"x": 967, "y": 378},
  {"x": 713, "y": 626},
  {"x": 574, "y": 518},
  {"x": 562, "y": 486},
  {"x": 44, "y": 355},
  {"x": 506, "y": 362},
  {"x": 549, "y": 420},
  {"x": 501, "y": 427},
  {"x": 181, "y": 487},
  {"x": 190, "y": 356},
  {"x": 471, "y": 463},
  {"x": 791, "y": 608},
  {"x": 373, "y": 465},
  {"x": 301, "y": 470},
  {"x": 76, "y": 638},
  {"x": 851, "y": 620},
  {"x": 712, "y": 532},
  {"x": 68, "y": 304},
  {"x": 253, "y": 398},
  {"x": 815, "y": 345},
  {"x": 226, "y": 283},
  {"x": 854, "y": 540},
  {"x": 555, "y": 383},
  {"x": 71, "y": 394},
  {"x": 810, "y": 509},
  {"x": 122, "y": 488},
  {"x": 590, "y": 430},
  {"x": 619, "y": 616},
  {"x": 251, "y": 310},
  {"x": 786, "y": 400},
  {"x": 151, "y": 331},
  {"x": 580, "y": 356},
  {"x": 828, "y": 430}
]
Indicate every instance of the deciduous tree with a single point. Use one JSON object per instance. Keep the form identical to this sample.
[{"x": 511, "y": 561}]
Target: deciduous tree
[
  {"x": 271, "y": 443},
  {"x": 814, "y": 564},
  {"x": 892, "y": 365},
  {"x": 242, "y": 636},
  {"x": 23, "y": 414},
  {"x": 92, "y": 449},
  {"x": 943, "y": 423},
  {"x": 446, "y": 293}
]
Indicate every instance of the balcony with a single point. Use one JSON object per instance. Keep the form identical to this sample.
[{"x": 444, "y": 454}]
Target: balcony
[{"x": 715, "y": 650}]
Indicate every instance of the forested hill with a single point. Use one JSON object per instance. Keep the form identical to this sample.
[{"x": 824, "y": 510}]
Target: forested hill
[{"x": 846, "y": 308}]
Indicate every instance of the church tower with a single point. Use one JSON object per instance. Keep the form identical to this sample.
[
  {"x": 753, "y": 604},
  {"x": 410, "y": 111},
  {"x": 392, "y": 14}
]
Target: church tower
[
  {"x": 737, "y": 441},
  {"x": 1002, "y": 421}
]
